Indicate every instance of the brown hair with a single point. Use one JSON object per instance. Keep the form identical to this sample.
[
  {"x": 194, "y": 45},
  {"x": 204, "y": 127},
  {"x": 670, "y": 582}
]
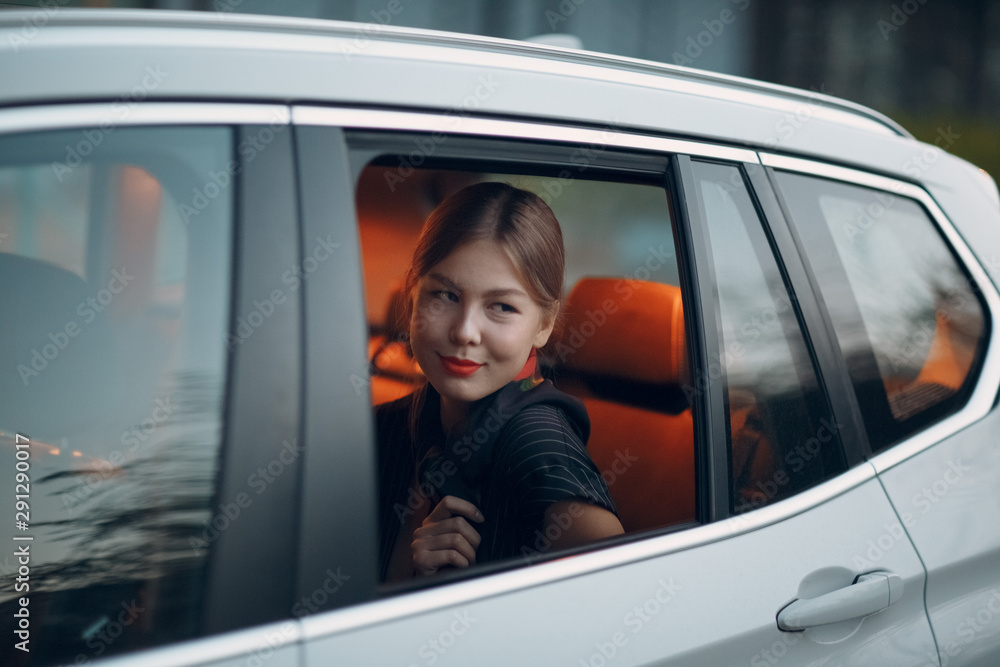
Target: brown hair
[{"x": 523, "y": 225}]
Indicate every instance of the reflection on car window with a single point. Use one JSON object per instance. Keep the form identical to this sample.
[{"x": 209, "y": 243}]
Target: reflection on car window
[
  {"x": 907, "y": 318},
  {"x": 783, "y": 437},
  {"x": 113, "y": 357}
]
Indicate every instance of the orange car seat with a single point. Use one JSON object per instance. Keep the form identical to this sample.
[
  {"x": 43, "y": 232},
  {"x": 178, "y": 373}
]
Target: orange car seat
[{"x": 622, "y": 351}]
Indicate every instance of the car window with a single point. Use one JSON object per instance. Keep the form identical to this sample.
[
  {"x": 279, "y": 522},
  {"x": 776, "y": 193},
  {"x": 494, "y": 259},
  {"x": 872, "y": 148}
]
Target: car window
[
  {"x": 783, "y": 437},
  {"x": 115, "y": 271},
  {"x": 620, "y": 347},
  {"x": 909, "y": 321}
]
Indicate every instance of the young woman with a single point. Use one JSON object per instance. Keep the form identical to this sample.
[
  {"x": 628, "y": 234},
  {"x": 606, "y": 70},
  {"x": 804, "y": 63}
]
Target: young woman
[{"x": 487, "y": 460}]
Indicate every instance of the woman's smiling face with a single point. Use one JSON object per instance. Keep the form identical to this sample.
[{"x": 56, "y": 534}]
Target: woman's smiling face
[{"x": 474, "y": 324}]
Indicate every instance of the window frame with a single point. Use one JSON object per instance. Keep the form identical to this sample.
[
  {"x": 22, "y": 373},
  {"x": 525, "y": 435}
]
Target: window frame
[
  {"x": 815, "y": 336},
  {"x": 644, "y": 546},
  {"x": 982, "y": 397}
]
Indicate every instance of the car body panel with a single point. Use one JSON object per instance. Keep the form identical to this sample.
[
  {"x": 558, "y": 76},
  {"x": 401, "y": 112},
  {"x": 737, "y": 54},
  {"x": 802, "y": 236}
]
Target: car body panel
[
  {"x": 948, "y": 498},
  {"x": 666, "y": 605}
]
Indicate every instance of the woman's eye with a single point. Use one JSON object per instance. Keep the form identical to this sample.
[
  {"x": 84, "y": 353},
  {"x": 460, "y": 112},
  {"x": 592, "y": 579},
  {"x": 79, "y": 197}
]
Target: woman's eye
[
  {"x": 445, "y": 295},
  {"x": 505, "y": 308}
]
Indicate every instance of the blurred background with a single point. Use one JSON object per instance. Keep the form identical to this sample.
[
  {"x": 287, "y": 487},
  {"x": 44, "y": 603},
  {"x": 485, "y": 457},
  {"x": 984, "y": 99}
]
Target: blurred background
[{"x": 933, "y": 66}]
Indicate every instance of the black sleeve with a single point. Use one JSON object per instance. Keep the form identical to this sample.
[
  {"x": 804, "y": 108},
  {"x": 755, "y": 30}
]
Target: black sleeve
[{"x": 546, "y": 462}]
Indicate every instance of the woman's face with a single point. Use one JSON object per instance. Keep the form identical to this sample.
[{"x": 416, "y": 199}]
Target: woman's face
[{"x": 474, "y": 323}]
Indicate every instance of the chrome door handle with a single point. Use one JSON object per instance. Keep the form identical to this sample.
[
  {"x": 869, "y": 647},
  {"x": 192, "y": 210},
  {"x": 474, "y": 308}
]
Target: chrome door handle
[{"x": 868, "y": 594}]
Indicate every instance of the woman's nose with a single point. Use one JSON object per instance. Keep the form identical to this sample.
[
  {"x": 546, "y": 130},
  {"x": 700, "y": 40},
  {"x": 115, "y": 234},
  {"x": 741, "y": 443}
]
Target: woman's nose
[{"x": 466, "y": 330}]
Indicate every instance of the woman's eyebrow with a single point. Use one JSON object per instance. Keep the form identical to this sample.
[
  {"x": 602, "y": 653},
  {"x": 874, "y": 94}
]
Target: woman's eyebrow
[
  {"x": 505, "y": 292},
  {"x": 444, "y": 281}
]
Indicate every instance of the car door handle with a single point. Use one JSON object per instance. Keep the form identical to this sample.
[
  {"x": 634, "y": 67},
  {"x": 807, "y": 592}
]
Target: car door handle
[{"x": 868, "y": 594}]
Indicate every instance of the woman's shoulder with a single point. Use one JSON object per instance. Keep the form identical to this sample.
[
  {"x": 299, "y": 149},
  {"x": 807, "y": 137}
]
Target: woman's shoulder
[
  {"x": 548, "y": 409},
  {"x": 538, "y": 428}
]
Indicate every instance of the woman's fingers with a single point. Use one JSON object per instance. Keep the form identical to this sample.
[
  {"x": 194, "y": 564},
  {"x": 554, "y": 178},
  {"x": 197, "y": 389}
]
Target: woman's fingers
[
  {"x": 446, "y": 537},
  {"x": 452, "y": 506},
  {"x": 454, "y": 526},
  {"x": 429, "y": 562},
  {"x": 447, "y": 542}
]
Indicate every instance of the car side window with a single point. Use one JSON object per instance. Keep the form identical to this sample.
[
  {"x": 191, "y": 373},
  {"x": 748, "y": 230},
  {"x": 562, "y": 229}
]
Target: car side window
[
  {"x": 620, "y": 348},
  {"x": 112, "y": 375},
  {"x": 908, "y": 319},
  {"x": 782, "y": 435}
]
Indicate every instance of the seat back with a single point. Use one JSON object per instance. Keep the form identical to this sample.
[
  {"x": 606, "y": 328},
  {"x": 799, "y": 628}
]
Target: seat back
[
  {"x": 58, "y": 367},
  {"x": 622, "y": 351}
]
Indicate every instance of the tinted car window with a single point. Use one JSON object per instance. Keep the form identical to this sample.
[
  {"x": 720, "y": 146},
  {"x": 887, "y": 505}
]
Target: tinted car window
[
  {"x": 115, "y": 272},
  {"x": 782, "y": 435},
  {"x": 907, "y": 318}
]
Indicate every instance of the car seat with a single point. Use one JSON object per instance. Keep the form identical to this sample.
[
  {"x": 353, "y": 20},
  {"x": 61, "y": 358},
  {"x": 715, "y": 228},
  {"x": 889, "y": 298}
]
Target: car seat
[{"x": 622, "y": 351}]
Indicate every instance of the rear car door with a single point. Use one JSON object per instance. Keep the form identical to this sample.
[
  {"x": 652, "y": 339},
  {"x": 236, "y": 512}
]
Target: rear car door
[
  {"x": 917, "y": 328},
  {"x": 785, "y": 509}
]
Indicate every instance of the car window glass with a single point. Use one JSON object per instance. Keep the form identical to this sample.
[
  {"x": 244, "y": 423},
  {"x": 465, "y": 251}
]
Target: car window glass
[
  {"x": 782, "y": 435},
  {"x": 620, "y": 347},
  {"x": 112, "y": 369},
  {"x": 907, "y": 318}
]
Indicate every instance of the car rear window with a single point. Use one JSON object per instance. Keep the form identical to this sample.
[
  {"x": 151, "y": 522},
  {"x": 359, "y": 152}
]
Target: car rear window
[{"x": 909, "y": 321}]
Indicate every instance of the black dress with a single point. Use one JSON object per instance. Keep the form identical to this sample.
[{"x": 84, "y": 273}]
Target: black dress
[{"x": 522, "y": 450}]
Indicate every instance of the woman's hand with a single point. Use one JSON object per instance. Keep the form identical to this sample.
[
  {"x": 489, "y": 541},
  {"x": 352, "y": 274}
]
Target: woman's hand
[{"x": 446, "y": 537}]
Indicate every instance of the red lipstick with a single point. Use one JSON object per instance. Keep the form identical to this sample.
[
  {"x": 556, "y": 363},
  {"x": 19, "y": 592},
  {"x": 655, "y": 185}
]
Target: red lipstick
[{"x": 459, "y": 367}]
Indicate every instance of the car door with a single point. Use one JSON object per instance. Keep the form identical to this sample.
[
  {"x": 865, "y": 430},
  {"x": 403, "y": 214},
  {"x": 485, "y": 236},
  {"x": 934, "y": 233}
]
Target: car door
[
  {"x": 926, "y": 314},
  {"x": 786, "y": 508},
  {"x": 148, "y": 403}
]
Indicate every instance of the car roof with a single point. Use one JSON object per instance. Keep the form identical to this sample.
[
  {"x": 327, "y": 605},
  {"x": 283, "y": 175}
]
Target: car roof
[{"x": 77, "y": 55}]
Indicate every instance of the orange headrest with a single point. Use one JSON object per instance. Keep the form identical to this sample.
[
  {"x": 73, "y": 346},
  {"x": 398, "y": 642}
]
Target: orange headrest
[{"x": 622, "y": 328}]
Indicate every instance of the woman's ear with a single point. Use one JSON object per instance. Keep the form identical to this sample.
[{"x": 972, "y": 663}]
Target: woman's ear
[{"x": 548, "y": 323}]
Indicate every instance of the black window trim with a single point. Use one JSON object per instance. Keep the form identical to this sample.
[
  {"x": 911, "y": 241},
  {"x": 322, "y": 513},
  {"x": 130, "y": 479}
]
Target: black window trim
[
  {"x": 251, "y": 563},
  {"x": 816, "y": 324}
]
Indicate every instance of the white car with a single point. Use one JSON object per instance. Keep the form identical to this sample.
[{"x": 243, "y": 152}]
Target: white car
[{"x": 781, "y": 317}]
